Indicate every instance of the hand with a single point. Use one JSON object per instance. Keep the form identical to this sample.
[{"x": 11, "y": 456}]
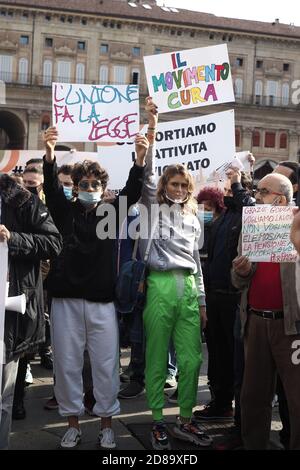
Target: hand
[
  {"x": 251, "y": 159},
  {"x": 295, "y": 230},
  {"x": 4, "y": 234},
  {"x": 234, "y": 174},
  {"x": 151, "y": 109},
  {"x": 241, "y": 265},
  {"x": 141, "y": 148},
  {"x": 203, "y": 317},
  {"x": 50, "y": 137}
]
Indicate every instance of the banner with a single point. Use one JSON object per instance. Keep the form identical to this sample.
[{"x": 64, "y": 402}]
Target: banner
[
  {"x": 93, "y": 113},
  {"x": 202, "y": 144},
  {"x": 266, "y": 233},
  {"x": 189, "y": 78}
]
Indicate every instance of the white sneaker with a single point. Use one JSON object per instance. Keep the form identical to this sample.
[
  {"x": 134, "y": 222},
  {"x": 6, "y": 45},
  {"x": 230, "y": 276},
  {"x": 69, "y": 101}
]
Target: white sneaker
[
  {"x": 28, "y": 376},
  {"x": 107, "y": 438},
  {"x": 170, "y": 382},
  {"x": 71, "y": 438}
]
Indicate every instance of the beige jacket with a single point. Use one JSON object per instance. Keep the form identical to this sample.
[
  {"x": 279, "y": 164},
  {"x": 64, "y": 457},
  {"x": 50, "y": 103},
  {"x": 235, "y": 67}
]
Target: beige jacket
[{"x": 290, "y": 305}]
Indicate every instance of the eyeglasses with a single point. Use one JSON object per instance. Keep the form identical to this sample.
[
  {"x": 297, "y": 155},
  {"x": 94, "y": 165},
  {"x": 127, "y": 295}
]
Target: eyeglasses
[
  {"x": 265, "y": 192},
  {"x": 85, "y": 185}
]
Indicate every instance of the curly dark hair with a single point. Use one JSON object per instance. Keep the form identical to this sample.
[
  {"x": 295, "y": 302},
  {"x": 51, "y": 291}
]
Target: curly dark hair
[
  {"x": 214, "y": 195},
  {"x": 89, "y": 168}
]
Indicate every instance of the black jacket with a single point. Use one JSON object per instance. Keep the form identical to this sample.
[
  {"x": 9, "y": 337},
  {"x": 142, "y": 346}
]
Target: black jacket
[
  {"x": 86, "y": 267},
  {"x": 34, "y": 237}
]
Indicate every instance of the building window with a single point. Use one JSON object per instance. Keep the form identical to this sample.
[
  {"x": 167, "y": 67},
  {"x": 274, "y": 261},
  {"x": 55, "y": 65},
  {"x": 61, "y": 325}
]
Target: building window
[
  {"x": 24, "y": 40},
  {"x": 120, "y": 73},
  {"x": 103, "y": 75},
  {"x": 259, "y": 64},
  {"x": 81, "y": 45},
  {"x": 62, "y": 19},
  {"x": 84, "y": 21},
  {"x": 104, "y": 49},
  {"x": 47, "y": 73},
  {"x": 256, "y": 139},
  {"x": 48, "y": 42},
  {"x": 157, "y": 50},
  {"x": 23, "y": 71},
  {"x": 48, "y": 17},
  {"x": 286, "y": 67},
  {"x": 135, "y": 77},
  {"x": 239, "y": 62},
  {"x": 70, "y": 19},
  {"x": 45, "y": 123},
  {"x": 6, "y": 62},
  {"x": 285, "y": 94},
  {"x": 283, "y": 141},
  {"x": 211, "y": 36},
  {"x": 270, "y": 138},
  {"x": 136, "y": 51},
  {"x": 237, "y": 138},
  {"x": 64, "y": 71},
  {"x": 272, "y": 87},
  {"x": 80, "y": 69},
  {"x": 258, "y": 91},
  {"x": 238, "y": 88}
]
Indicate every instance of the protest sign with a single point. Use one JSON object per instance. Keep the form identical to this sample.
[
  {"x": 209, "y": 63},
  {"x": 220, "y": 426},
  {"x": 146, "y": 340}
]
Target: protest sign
[
  {"x": 189, "y": 78},
  {"x": 202, "y": 144},
  {"x": 93, "y": 113},
  {"x": 266, "y": 233}
]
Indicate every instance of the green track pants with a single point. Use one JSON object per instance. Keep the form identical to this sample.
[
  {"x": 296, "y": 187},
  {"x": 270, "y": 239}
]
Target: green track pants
[{"x": 172, "y": 310}]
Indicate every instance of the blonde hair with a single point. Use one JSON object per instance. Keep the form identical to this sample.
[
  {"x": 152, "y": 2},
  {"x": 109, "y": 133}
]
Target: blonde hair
[{"x": 170, "y": 172}]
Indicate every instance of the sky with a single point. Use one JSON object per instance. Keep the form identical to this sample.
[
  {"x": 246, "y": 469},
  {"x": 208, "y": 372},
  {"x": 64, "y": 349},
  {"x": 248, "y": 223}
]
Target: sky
[{"x": 288, "y": 11}]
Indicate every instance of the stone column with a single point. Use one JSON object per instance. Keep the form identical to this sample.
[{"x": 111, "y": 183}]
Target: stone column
[
  {"x": 294, "y": 145},
  {"x": 246, "y": 143},
  {"x": 34, "y": 119}
]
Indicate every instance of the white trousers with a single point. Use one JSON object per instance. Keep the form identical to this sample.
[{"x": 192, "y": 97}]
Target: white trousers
[{"x": 76, "y": 325}]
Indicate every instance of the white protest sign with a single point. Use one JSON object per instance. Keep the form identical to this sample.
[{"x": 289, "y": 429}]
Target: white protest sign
[
  {"x": 202, "y": 144},
  {"x": 266, "y": 233},
  {"x": 240, "y": 161},
  {"x": 189, "y": 78},
  {"x": 94, "y": 113},
  {"x": 3, "y": 279}
]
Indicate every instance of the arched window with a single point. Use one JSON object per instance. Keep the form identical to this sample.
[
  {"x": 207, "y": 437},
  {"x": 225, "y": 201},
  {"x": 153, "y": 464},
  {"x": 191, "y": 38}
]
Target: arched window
[
  {"x": 103, "y": 75},
  {"x": 258, "y": 91},
  {"x": 256, "y": 139},
  {"x": 47, "y": 73},
  {"x": 238, "y": 88},
  {"x": 283, "y": 140},
  {"x": 23, "y": 71},
  {"x": 270, "y": 139},
  {"x": 237, "y": 138},
  {"x": 64, "y": 71},
  {"x": 285, "y": 94},
  {"x": 80, "y": 69}
]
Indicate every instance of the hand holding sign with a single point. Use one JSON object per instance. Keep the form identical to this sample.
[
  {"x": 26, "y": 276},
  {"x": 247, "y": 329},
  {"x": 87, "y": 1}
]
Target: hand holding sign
[
  {"x": 241, "y": 265},
  {"x": 50, "y": 137},
  {"x": 141, "y": 148}
]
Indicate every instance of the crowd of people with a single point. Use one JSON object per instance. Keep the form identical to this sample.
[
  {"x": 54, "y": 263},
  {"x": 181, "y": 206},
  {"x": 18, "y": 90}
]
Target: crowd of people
[{"x": 248, "y": 311}]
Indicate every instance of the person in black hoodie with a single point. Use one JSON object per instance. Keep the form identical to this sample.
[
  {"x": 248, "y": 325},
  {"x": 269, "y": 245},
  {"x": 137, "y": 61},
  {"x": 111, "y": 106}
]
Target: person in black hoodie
[
  {"x": 81, "y": 283},
  {"x": 222, "y": 298},
  {"x": 31, "y": 236}
]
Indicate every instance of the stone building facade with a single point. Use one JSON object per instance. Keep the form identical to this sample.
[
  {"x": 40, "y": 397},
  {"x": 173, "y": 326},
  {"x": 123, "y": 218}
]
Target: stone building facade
[{"x": 104, "y": 41}]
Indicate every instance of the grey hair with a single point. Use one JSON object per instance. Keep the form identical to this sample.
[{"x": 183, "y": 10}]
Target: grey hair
[{"x": 286, "y": 189}]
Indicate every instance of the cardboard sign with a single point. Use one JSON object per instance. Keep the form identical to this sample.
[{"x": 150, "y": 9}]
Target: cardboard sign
[
  {"x": 266, "y": 233},
  {"x": 189, "y": 78},
  {"x": 94, "y": 113}
]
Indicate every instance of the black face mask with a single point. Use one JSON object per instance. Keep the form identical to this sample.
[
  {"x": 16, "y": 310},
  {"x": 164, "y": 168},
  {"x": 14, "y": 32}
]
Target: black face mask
[
  {"x": 229, "y": 202},
  {"x": 33, "y": 190}
]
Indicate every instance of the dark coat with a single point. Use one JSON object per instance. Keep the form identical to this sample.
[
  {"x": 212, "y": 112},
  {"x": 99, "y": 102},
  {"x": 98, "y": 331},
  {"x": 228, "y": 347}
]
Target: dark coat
[{"x": 33, "y": 237}]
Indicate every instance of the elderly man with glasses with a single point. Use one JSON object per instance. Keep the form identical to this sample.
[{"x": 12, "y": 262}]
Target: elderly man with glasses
[{"x": 270, "y": 319}]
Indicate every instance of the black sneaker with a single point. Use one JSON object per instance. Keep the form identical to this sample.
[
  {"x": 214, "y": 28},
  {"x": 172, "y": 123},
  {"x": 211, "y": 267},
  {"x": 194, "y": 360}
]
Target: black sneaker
[
  {"x": 159, "y": 437},
  {"x": 132, "y": 390},
  {"x": 191, "y": 432},
  {"x": 211, "y": 413}
]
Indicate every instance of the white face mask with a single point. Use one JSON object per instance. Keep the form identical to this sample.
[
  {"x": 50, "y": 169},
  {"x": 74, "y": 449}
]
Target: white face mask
[
  {"x": 176, "y": 201},
  {"x": 89, "y": 199}
]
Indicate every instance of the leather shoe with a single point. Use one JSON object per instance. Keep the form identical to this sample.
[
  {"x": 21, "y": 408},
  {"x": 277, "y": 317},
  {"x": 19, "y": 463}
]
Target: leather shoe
[{"x": 19, "y": 411}]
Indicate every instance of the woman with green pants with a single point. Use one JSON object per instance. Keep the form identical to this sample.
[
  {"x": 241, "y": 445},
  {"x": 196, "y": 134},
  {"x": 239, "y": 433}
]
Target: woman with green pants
[{"x": 175, "y": 292}]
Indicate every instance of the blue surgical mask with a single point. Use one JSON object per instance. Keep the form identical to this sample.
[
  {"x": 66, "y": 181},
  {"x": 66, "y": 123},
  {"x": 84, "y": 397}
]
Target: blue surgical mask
[
  {"x": 89, "y": 199},
  {"x": 68, "y": 192},
  {"x": 208, "y": 217}
]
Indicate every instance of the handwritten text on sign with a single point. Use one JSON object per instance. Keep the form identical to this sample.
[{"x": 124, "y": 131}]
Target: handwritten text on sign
[
  {"x": 266, "y": 234},
  {"x": 190, "y": 78},
  {"x": 93, "y": 113}
]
